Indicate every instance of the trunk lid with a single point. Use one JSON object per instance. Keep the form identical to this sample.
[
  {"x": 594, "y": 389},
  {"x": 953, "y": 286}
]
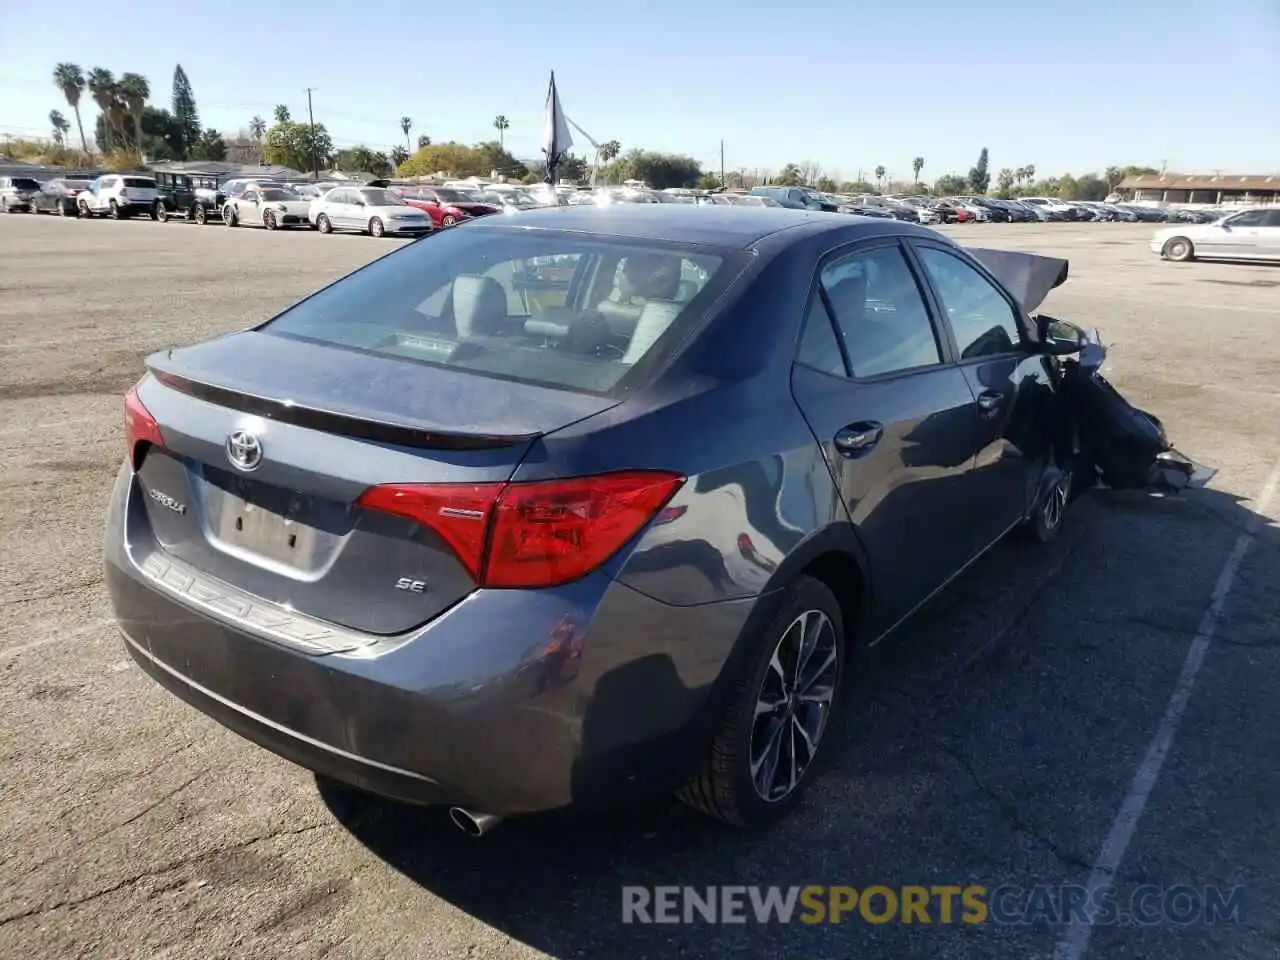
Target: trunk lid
[{"x": 267, "y": 443}]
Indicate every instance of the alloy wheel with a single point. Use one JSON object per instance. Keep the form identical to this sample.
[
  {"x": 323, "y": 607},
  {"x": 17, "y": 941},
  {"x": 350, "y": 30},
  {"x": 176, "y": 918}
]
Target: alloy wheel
[
  {"x": 1055, "y": 503},
  {"x": 793, "y": 705}
]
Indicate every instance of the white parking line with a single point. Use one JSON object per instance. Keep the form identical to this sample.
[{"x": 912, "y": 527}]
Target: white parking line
[{"x": 1075, "y": 941}]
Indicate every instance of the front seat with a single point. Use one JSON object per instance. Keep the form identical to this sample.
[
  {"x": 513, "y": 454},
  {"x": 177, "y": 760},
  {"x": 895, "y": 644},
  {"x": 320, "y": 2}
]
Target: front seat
[{"x": 479, "y": 306}]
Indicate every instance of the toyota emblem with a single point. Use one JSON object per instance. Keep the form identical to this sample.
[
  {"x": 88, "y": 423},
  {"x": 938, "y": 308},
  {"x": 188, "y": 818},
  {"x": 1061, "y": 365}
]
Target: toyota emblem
[{"x": 244, "y": 450}]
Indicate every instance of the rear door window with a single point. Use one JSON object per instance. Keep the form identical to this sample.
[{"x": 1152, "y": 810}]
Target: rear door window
[
  {"x": 140, "y": 182},
  {"x": 982, "y": 319}
]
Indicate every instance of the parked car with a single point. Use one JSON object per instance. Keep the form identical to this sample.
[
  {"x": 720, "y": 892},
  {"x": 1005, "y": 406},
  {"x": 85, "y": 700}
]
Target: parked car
[
  {"x": 269, "y": 207},
  {"x": 797, "y": 198},
  {"x": 17, "y": 193},
  {"x": 178, "y": 196},
  {"x": 464, "y": 200},
  {"x": 1248, "y": 235},
  {"x": 117, "y": 196},
  {"x": 372, "y": 210},
  {"x": 1053, "y": 208},
  {"x": 58, "y": 196},
  {"x": 442, "y": 215},
  {"x": 453, "y": 528}
]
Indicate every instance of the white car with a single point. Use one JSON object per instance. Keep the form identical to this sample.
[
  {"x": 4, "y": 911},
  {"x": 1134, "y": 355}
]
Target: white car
[
  {"x": 1050, "y": 205},
  {"x": 1247, "y": 235},
  {"x": 269, "y": 207},
  {"x": 18, "y": 193},
  {"x": 118, "y": 196},
  {"x": 372, "y": 210}
]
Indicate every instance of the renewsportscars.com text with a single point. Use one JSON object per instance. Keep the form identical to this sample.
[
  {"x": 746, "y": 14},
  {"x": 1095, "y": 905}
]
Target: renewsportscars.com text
[{"x": 936, "y": 904}]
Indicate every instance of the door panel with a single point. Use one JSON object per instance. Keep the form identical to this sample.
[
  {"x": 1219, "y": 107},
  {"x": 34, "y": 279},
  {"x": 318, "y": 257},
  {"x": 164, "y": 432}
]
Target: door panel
[
  {"x": 1013, "y": 398},
  {"x": 895, "y": 423},
  {"x": 906, "y": 486}
]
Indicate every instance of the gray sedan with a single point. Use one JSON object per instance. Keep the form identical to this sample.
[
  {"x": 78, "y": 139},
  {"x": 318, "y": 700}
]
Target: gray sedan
[{"x": 556, "y": 510}]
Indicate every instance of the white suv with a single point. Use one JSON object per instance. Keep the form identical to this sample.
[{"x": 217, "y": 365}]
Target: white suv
[{"x": 117, "y": 196}]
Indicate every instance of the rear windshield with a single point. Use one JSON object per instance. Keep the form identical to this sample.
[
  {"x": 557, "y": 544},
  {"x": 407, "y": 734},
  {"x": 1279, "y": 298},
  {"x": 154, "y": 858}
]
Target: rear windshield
[
  {"x": 25, "y": 183},
  {"x": 139, "y": 182},
  {"x": 566, "y": 311}
]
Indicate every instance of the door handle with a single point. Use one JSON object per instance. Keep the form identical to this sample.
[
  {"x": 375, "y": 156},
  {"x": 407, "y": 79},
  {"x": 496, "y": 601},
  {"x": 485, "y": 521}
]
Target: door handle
[
  {"x": 858, "y": 438},
  {"x": 990, "y": 401}
]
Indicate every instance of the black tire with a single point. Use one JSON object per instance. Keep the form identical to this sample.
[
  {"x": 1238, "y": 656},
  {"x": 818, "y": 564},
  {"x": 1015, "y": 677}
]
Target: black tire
[
  {"x": 160, "y": 213},
  {"x": 269, "y": 220},
  {"x": 82, "y": 210},
  {"x": 377, "y": 228},
  {"x": 199, "y": 214},
  {"x": 32, "y": 208},
  {"x": 1178, "y": 249},
  {"x": 323, "y": 224},
  {"x": 449, "y": 220},
  {"x": 229, "y": 216},
  {"x": 113, "y": 210},
  {"x": 725, "y": 787}
]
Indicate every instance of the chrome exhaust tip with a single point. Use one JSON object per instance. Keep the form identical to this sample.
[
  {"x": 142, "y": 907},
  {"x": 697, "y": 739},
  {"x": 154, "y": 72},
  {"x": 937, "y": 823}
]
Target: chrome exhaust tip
[{"x": 473, "y": 824}]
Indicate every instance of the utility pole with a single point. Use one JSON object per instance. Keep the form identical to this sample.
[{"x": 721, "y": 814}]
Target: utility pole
[
  {"x": 311, "y": 121},
  {"x": 722, "y": 183}
]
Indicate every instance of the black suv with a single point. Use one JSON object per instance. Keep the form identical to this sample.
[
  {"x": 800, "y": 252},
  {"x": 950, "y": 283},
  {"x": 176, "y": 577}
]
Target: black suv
[{"x": 182, "y": 195}]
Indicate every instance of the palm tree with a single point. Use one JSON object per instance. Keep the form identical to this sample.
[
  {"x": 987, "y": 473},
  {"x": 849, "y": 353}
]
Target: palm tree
[
  {"x": 282, "y": 113},
  {"x": 102, "y": 87},
  {"x": 879, "y": 175},
  {"x": 134, "y": 91},
  {"x": 916, "y": 166},
  {"x": 406, "y": 124},
  {"x": 69, "y": 78},
  {"x": 609, "y": 150},
  {"x": 60, "y": 126},
  {"x": 1030, "y": 171},
  {"x": 501, "y": 124},
  {"x": 257, "y": 128}
]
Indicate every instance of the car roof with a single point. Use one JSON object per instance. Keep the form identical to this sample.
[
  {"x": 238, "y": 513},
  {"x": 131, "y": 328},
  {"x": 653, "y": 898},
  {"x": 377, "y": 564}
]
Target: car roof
[{"x": 740, "y": 227}]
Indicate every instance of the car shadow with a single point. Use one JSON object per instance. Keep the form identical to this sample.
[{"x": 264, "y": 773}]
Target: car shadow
[{"x": 554, "y": 881}]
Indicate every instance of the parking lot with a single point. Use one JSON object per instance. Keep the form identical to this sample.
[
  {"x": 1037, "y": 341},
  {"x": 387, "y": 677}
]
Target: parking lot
[{"x": 1003, "y": 737}]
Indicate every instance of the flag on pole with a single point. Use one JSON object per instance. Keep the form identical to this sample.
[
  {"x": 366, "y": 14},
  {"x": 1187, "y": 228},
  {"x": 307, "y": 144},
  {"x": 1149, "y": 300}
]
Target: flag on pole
[{"x": 556, "y": 138}]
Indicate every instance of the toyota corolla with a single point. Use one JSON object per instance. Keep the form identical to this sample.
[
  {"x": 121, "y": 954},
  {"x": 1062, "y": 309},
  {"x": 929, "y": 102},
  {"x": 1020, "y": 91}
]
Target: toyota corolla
[{"x": 558, "y": 510}]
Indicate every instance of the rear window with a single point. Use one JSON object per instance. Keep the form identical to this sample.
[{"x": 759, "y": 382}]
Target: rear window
[
  {"x": 573, "y": 312},
  {"x": 25, "y": 183},
  {"x": 139, "y": 182}
]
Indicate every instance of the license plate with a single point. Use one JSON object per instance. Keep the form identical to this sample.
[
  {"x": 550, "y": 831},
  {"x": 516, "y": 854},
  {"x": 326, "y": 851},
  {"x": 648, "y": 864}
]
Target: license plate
[{"x": 254, "y": 529}]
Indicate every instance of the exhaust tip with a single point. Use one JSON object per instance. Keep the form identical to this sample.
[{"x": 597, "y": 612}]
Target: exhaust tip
[{"x": 473, "y": 824}]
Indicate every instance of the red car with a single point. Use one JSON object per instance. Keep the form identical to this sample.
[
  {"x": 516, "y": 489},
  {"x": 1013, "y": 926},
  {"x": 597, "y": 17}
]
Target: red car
[{"x": 442, "y": 214}]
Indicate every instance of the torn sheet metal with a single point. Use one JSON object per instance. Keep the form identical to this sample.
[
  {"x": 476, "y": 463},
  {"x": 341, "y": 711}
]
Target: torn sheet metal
[{"x": 1028, "y": 276}]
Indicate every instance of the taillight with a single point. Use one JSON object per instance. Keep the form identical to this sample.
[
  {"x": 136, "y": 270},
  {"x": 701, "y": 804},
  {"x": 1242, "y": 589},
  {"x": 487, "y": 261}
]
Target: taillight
[
  {"x": 139, "y": 426},
  {"x": 532, "y": 534}
]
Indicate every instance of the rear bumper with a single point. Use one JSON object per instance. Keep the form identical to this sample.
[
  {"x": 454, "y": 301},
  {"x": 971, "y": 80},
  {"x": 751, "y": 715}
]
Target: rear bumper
[{"x": 510, "y": 702}]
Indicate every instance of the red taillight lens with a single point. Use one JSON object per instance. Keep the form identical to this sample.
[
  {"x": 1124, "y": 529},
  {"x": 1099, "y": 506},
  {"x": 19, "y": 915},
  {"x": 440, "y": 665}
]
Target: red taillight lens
[
  {"x": 139, "y": 426},
  {"x": 539, "y": 534}
]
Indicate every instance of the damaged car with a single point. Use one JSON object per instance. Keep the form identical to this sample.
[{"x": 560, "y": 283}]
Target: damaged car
[{"x": 460, "y": 531}]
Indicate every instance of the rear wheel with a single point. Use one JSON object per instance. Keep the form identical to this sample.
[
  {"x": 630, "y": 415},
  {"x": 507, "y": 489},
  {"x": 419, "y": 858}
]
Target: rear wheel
[
  {"x": 199, "y": 215},
  {"x": 1179, "y": 249},
  {"x": 160, "y": 212},
  {"x": 323, "y": 224},
  {"x": 229, "y": 216},
  {"x": 376, "y": 227},
  {"x": 449, "y": 220},
  {"x": 778, "y": 712},
  {"x": 82, "y": 210},
  {"x": 113, "y": 210}
]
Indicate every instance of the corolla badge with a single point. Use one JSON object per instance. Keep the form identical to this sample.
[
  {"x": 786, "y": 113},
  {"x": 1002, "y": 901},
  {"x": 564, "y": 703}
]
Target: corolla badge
[{"x": 244, "y": 450}]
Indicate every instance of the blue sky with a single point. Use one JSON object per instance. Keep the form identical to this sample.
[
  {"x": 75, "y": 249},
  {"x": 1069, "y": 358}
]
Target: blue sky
[{"x": 1066, "y": 86}]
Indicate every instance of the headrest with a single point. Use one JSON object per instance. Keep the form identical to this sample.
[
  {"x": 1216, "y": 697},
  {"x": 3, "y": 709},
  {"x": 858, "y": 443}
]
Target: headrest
[{"x": 479, "y": 305}]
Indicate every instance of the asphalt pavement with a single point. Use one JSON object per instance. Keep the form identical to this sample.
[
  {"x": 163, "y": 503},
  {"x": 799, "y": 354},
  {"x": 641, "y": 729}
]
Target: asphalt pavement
[{"x": 1098, "y": 713}]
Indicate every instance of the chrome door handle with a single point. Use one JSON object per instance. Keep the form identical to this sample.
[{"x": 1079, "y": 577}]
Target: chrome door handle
[
  {"x": 989, "y": 402},
  {"x": 858, "y": 438}
]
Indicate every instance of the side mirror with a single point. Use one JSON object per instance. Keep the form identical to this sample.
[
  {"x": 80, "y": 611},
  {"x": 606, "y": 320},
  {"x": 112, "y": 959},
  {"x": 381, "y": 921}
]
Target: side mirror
[{"x": 1058, "y": 338}]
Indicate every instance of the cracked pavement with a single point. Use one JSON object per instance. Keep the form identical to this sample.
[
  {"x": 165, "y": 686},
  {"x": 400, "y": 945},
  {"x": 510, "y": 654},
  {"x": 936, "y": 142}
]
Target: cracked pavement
[{"x": 992, "y": 741}]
